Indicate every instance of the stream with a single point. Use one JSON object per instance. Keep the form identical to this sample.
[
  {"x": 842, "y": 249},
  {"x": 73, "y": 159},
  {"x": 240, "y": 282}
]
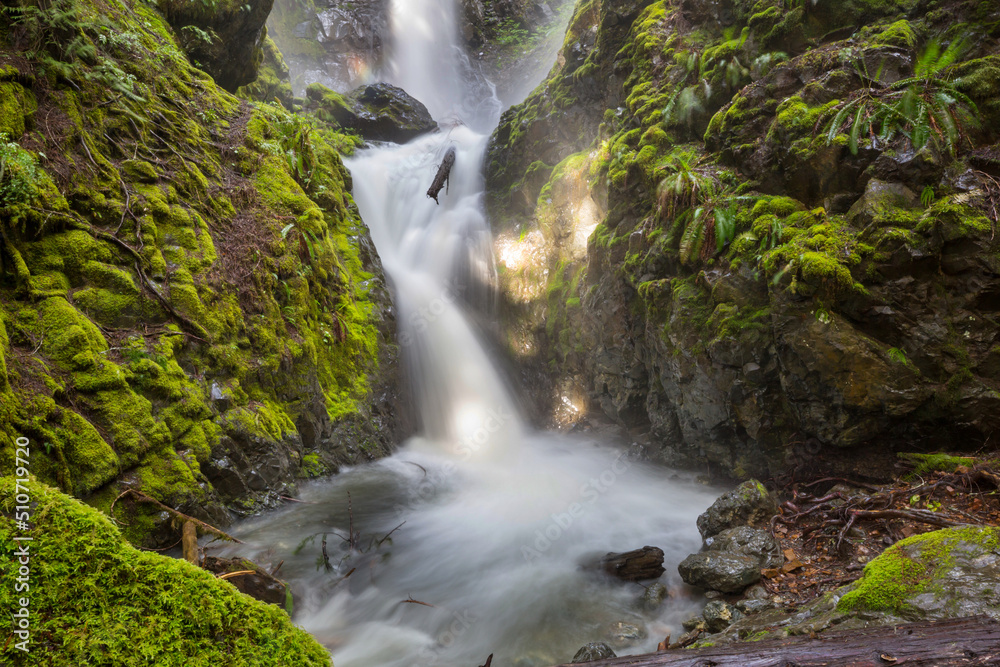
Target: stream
[{"x": 473, "y": 537}]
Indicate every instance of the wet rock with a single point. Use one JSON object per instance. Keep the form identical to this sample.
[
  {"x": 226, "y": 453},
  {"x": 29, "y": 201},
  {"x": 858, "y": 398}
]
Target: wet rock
[
  {"x": 654, "y": 596},
  {"x": 622, "y": 634},
  {"x": 720, "y": 615},
  {"x": 720, "y": 571},
  {"x": 379, "y": 112},
  {"x": 749, "y": 504},
  {"x": 694, "y": 622},
  {"x": 594, "y": 651},
  {"x": 758, "y": 544},
  {"x": 257, "y": 583},
  {"x": 234, "y": 53},
  {"x": 754, "y": 606}
]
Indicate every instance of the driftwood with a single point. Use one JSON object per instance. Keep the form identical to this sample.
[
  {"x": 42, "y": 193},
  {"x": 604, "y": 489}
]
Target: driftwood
[
  {"x": 443, "y": 175},
  {"x": 644, "y": 563},
  {"x": 963, "y": 641}
]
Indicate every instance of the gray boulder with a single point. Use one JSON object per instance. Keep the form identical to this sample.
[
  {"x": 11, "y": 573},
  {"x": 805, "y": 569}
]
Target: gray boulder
[{"x": 749, "y": 504}]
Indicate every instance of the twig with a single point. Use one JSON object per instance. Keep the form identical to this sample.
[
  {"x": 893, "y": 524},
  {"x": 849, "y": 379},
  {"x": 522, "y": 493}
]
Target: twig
[
  {"x": 236, "y": 574},
  {"x": 410, "y": 600},
  {"x": 326, "y": 556},
  {"x": 296, "y": 500},
  {"x": 379, "y": 543}
]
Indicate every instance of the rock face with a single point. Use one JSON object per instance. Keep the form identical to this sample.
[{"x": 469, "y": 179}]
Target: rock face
[
  {"x": 841, "y": 303},
  {"x": 379, "y": 112},
  {"x": 337, "y": 44},
  {"x": 224, "y": 38},
  {"x": 749, "y": 504}
]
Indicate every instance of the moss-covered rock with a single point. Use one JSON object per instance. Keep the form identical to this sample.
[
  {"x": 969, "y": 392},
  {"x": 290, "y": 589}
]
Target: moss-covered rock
[
  {"x": 380, "y": 112},
  {"x": 767, "y": 270},
  {"x": 94, "y": 599}
]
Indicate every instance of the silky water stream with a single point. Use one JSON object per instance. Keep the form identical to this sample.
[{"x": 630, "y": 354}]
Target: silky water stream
[{"x": 492, "y": 519}]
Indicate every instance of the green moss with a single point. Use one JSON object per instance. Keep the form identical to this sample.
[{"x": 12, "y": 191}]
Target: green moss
[
  {"x": 899, "y": 34},
  {"x": 97, "y": 600}
]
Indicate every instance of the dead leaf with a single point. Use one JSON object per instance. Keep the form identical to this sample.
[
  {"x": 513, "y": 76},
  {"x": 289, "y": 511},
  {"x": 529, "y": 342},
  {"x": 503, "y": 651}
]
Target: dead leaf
[
  {"x": 770, "y": 573},
  {"x": 789, "y": 554},
  {"x": 662, "y": 646},
  {"x": 792, "y": 565}
]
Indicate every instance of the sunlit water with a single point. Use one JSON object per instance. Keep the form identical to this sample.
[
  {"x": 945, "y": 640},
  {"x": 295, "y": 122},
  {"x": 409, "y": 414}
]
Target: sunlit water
[{"x": 475, "y": 537}]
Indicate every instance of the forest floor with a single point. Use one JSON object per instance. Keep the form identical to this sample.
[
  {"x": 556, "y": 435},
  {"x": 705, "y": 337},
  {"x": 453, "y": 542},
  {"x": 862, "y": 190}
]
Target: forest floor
[{"x": 830, "y": 528}]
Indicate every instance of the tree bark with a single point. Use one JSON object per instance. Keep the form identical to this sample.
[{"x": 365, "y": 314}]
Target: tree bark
[
  {"x": 189, "y": 542},
  {"x": 962, "y": 641},
  {"x": 443, "y": 175}
]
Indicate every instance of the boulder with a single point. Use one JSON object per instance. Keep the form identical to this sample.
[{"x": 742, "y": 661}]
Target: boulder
[
  {"x": 720, "y": 571},
  {"x": 379, "y": 112},
  {"x": 749, "y": 504},
  {"x": 594, "y": 651},
  {"x": 746, "y": 541}
]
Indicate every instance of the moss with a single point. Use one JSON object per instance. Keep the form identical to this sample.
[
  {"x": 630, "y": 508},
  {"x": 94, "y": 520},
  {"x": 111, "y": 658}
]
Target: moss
[
  {"x": 16, "y": 106},
  {"x": 928, "y": 463},
  {"x": 97, "y": 600},
  {"x": 140, "y": 170},
  {"x": 911, "y": 567},
  {"x": 899, "y": 34}
]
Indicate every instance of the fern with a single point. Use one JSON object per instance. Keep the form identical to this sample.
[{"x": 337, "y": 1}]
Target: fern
[{"x": 924, "y": 108}]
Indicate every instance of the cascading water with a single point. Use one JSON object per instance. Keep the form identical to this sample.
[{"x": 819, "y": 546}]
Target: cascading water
[{"x": 492, "y": 520}]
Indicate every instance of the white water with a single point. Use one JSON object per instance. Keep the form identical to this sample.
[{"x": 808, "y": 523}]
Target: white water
[{"x": 498, "y": 518}]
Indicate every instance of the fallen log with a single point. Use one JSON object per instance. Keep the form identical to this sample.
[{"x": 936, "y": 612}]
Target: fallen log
[
  {"x": 443, "y": 175},
  {"x": 962, "y": 641},
  {"x": 644, "y": 563}
]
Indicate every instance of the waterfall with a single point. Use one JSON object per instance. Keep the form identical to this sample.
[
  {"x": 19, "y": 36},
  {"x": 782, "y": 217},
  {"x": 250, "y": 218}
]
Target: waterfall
[{"x": 475, "y": 535}]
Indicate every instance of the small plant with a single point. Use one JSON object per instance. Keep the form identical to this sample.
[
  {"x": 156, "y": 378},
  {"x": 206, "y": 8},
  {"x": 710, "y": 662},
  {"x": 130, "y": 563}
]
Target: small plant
[{"x": 927, "y": 196}]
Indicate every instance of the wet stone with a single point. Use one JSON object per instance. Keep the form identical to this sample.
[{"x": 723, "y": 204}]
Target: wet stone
[{"x": 594, "y": 651}]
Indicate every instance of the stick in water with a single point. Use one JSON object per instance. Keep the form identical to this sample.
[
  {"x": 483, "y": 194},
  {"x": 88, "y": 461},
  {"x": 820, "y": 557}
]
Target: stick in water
[{"x": 443, "y": 175}]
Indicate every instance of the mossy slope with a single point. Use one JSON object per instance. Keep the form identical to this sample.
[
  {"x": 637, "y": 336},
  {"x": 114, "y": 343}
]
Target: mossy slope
[
  {"x": 96, "y": 600},
  {"x": 189, "y": 296}
]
